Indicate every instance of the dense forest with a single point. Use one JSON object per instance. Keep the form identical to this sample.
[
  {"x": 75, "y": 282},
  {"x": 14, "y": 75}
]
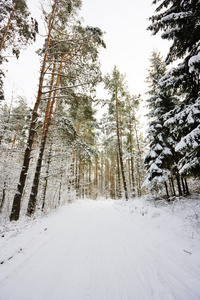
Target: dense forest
[{"x": 58, "y": 151}]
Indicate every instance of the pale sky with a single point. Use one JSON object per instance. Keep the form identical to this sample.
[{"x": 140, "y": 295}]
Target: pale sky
[{"x": 129, "y": 45}]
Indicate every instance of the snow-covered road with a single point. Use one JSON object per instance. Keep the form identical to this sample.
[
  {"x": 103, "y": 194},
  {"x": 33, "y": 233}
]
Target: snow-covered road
[{"x": 100, "y": 251}]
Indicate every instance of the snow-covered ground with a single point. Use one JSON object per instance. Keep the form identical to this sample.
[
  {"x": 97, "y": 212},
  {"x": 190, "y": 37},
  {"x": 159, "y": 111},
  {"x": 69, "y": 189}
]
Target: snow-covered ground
[{"x": 104, "y": 250}]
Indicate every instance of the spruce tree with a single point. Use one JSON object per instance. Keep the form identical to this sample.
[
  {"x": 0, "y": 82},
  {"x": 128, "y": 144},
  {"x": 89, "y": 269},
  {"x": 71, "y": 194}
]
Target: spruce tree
[
  {"x": 159, "y": 159},
  {"x": 180, "y": 22}
]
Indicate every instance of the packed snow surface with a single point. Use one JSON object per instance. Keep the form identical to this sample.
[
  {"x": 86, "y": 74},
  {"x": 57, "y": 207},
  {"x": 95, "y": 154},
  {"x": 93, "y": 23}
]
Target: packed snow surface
[{"x": 104, "y": 250}]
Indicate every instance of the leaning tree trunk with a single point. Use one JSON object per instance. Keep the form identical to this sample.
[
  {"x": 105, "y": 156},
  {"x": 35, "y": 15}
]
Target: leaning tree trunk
[
  {"x": 120, "y": 150},
  {"x": 48, "y": 115},
  {"x": 14, "y": 216},
  {"x": 50, "y": 149}
]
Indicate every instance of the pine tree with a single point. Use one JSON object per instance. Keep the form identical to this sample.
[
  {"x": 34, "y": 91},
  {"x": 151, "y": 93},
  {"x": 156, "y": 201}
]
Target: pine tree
[
  {"x": 115, "y": 85},
  {"x": 180, "y": 22},
  {"x": 17, "y": 30},
  {"x": 133, "y": 147},
  {"x": 23, "y": 175},
  {"x": 81, "y": 112},
  {"x": 87, "y": 41}
]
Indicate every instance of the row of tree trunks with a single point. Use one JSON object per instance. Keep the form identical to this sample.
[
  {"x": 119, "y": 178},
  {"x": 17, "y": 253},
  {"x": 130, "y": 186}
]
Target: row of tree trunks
[
  {"x": 14, "y": 216},
  {"x": 181, "y": 185},
  {"x": 47, "y": 121}
]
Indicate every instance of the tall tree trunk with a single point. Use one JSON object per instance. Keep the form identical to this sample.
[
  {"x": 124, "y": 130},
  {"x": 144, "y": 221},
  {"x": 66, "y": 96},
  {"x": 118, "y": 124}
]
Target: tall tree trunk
[
  {"x": 96, "y": 178},
  {"x": 34, "y": 190},
  {"x": 172, "y": 185},
  {"x": 166, "y": 188},
  {"x": 179, "y": 184},
  {"x": 75, "y": 165},
  {"x": 46, "y": 177},
  {"x": 89, "y": 180},
  {"x": 139, "y": 189},
  {"x": 83, "y": 181},
  {"x": 119, "y": 148},
  {"x": 3, "y": 196},
  {"x": 80, "y": 175},
  {"x": 106, "y": 179},
  {"x": 102, "y": 173},
  {"x": 60, "y": 188},
  {"x": 14, "y": 216},
  {"x": 77, "y": 178},
  {"x": 112, "y": 179},
  {"x": 47, "y": 121},
  {"x": 119, "y": 193},
  {"x": 49, "y": 155},
  {"x": 183, "y": 186},
  {"x": 140, "y": 168},
  {"x": 186, "y": 186},
  {"x": 132, "y": 159}
]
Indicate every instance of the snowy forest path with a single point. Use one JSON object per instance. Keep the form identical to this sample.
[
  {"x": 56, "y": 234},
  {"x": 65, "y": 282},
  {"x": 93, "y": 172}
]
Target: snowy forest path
[{"x": 96, "y": 251}]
